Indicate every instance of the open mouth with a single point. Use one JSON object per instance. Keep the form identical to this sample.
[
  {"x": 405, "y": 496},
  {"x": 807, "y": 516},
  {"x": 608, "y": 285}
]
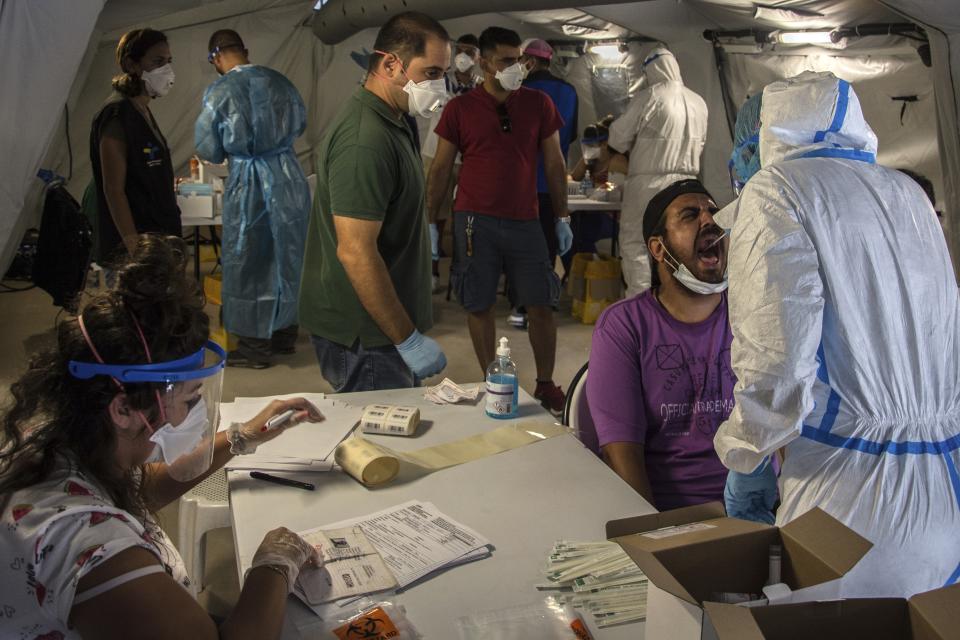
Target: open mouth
[{"x": 709, "y": 249}]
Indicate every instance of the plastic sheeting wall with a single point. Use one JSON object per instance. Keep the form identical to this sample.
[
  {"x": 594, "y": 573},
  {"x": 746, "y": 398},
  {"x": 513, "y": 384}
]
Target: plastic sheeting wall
[
  {"x": 40, "y": 53},
  {"x": 877, "y": 79}
]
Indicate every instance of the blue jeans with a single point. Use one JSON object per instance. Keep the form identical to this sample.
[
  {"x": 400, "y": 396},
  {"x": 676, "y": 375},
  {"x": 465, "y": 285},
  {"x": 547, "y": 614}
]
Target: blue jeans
[{"x": 360, "y": 368}]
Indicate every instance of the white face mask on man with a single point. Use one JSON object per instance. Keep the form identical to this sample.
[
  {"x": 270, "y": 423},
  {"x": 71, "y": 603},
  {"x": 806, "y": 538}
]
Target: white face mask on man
[
  {"x": 425, "y": 97},
  {"x": 159, "y": 81},
  {"x": 512, "y": 77},
  {"x": 463, "y": 62},
  {"x": 685, "y": 277},
  {"x": 590, "y": 152}
]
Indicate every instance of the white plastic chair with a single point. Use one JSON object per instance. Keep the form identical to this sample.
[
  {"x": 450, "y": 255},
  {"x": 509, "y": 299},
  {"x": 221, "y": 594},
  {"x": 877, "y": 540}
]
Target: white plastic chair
[{"x": 202, "y": 509}]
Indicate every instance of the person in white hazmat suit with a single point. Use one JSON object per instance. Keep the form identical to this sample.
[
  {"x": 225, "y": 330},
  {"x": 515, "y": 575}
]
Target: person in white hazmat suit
[
  {"x": 846, "y": 342},
  {"x": 662, "y": 133}
]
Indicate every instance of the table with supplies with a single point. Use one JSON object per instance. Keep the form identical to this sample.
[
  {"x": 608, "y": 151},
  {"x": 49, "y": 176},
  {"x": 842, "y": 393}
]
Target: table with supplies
[{"x": 522, "y": 500}]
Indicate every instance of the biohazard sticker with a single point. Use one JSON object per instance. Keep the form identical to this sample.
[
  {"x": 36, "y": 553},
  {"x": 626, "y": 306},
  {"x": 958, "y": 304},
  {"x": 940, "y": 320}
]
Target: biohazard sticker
[{"x": 372, "y": 625}]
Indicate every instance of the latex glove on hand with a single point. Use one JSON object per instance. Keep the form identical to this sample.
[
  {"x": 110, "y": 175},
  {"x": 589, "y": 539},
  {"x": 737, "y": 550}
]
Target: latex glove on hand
[
  {"x": 751, "y": 496},
  {"x": 422, "y": 354},
  {"x": 287, "y": 552},
  {"x": 564, "y": 236},
  {"x": 253, "y": 433},
  {"x": 434, "y": 242}
]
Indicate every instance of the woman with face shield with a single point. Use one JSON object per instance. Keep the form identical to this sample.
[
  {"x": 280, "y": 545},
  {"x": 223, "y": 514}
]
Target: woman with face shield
[
  {"x": 132, "y": 169},
  {"x": 114, "y": 422}
]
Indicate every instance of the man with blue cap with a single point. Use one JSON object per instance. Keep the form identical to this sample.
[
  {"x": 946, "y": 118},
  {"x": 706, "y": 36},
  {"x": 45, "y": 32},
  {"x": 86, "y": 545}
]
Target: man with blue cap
[
  {"x": 252, "y": 115},
  {"x": 846, "y": 343}
]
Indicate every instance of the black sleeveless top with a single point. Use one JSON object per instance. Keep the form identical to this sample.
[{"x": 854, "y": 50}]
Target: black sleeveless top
[{"x": 149, "y": 186}]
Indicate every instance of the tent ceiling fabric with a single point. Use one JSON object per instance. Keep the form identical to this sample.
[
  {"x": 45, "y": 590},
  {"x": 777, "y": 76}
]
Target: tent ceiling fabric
[{"x": 339, "y": 19}]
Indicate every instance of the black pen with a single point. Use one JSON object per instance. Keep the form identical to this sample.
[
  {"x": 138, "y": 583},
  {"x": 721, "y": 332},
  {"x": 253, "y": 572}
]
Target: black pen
[{"x": 287, "y": 482}]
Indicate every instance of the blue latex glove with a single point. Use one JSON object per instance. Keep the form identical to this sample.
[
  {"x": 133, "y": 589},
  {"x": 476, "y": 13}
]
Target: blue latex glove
[
  {"x": 751, "y": 496},
  {"x": 564, "y": 237},
  {"x": 435, "y": 241},
  {"x": 422, "y": 354}
]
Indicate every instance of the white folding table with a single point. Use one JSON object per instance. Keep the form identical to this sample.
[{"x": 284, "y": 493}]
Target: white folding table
[{"x": 521, "y": 500}]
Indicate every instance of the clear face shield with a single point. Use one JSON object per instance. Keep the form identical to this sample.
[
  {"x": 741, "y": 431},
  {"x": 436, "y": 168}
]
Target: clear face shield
[{"x": 188, "y": 405}]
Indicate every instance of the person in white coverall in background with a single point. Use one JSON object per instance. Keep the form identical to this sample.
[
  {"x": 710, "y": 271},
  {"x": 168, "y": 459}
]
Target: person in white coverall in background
[
  {"x": 846, "y": 341},
  {"x": 662, "y": 132}
]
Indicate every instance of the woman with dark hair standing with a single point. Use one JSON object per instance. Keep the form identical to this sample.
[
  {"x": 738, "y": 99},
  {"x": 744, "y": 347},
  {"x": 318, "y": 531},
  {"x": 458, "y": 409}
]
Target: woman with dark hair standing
[
  {"x": 113, "y": 423},
  {"x": 129, "y": 155}
]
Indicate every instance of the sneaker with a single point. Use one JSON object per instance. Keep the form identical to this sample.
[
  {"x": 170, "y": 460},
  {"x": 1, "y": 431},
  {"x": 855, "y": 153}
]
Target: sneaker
[
  {"x": 237, "y": 359},
  {"x": 283, "y": 351},
  {"x": 518, "y": 320},
  {"x": 551, "y": 397}
]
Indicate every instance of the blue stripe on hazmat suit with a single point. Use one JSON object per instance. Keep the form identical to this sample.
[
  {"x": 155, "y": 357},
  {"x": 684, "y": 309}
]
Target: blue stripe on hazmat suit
[{"x": 252, "y": 115}]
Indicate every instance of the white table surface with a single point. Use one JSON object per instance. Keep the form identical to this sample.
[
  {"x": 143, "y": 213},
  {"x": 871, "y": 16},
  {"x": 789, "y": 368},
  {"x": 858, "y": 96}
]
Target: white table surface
[
  {"x": 197, "y": 221},
  {"x": 522, "y": 500},
  {"x": 582, "y": 203}
]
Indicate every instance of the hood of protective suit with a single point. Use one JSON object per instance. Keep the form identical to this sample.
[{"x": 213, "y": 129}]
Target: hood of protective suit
[
  {"x": 813, "y": 115},
  {"x": 660, "y": 66}
]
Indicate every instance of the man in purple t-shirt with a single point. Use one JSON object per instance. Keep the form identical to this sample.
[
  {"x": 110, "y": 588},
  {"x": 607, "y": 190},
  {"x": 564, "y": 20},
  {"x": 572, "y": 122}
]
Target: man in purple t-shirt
[{"x": 660, "y": 380}]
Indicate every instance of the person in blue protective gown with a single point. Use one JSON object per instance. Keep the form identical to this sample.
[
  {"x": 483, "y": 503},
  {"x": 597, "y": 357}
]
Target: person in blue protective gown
[
  {"x": 252, "y": 115},
  {"x": 846, "y": 343}
]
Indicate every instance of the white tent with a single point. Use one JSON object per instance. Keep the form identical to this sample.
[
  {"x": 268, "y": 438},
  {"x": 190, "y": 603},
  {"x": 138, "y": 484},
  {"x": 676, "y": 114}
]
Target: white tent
[{"x": 57, "y": 58}]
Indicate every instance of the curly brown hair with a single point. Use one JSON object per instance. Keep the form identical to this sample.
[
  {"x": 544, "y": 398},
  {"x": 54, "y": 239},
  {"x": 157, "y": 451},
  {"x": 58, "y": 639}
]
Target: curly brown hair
[
  {"x": 133, "y": 46},
  {"x": 55, "y": 416}
]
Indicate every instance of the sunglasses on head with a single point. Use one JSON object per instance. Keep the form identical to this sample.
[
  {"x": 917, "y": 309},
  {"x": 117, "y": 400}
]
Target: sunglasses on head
[{"x": 505, "y": 125}]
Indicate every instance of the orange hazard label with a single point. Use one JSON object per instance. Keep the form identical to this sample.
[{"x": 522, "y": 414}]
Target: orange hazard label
[
  {"x": 372, "y": 625},
  {"x": 580, "y": 630}
]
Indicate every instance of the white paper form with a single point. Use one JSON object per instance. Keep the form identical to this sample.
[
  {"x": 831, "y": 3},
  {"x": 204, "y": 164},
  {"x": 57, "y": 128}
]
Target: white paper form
[
  {"x": 352, "y": 566},
  {"x": 304, "y": 447},
  {"x": 415, "y": 539}
]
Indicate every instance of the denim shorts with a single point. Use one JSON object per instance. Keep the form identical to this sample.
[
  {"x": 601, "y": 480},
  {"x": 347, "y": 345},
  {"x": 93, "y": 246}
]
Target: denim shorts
[
  {"x": 359, "y": 368},
  {"x": 485, "y": 247}
]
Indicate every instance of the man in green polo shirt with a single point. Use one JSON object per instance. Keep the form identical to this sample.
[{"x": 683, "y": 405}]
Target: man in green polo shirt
[{"x": 365, "y": 289}]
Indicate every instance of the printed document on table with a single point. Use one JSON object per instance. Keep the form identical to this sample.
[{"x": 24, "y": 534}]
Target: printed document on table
[
  {"x": 415, "y": 539},
  {"x": 351, "y": 567}
]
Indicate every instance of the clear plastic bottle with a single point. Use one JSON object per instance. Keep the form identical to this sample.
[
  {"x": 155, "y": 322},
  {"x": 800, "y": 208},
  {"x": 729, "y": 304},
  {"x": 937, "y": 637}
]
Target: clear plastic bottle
[
  {"x": 503, "y": 387},
  {"x": 586, "y": 185}
]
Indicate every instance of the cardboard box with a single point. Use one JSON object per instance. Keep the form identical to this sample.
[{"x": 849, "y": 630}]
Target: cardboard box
[
  {"x": 691, "y": 554},
  {"x": 213, "y": 287},
  {"x": 934, "y": 615},
  {"x": 227, "y": 341}
]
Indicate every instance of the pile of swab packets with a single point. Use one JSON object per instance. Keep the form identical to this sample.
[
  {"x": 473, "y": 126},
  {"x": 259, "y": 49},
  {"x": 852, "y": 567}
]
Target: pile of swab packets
[{"x": 599, "y": 579}]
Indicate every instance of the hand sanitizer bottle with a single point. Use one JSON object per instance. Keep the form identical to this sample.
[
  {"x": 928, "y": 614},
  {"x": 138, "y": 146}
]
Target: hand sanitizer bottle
[
  {"x": 586, "y": 185},
  {"x": 503, "y": 389}
]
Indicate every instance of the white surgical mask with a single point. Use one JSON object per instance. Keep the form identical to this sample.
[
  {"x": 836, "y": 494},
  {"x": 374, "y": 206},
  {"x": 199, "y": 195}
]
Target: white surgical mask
[
  {"x": 175, "y": 442},
  {"x": 512, "y": 77},
  {"x": 690, "y": 281},
  {"x": 463, "y": 62},
  {"x": 425, "y": 97},
  {"x": 158, "y": 81},
  {"x": 591, "y": 152}
]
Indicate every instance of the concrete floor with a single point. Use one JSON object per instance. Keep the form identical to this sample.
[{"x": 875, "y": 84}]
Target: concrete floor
[{"x": 27, "y": 321}]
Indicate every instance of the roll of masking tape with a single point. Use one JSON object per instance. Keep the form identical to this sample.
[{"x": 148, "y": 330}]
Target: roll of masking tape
[
  {"x": 374, "y": 464},
  {"x": 390, "y": 420},
  {"x": 366, "y": 461}
]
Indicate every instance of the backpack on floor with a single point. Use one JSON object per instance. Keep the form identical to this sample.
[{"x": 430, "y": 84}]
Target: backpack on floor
[{"x": 63, "y": 248}]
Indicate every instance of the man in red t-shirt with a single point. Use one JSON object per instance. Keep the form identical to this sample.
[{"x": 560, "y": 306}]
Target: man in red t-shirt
[{"x": 500, "y": 128}]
